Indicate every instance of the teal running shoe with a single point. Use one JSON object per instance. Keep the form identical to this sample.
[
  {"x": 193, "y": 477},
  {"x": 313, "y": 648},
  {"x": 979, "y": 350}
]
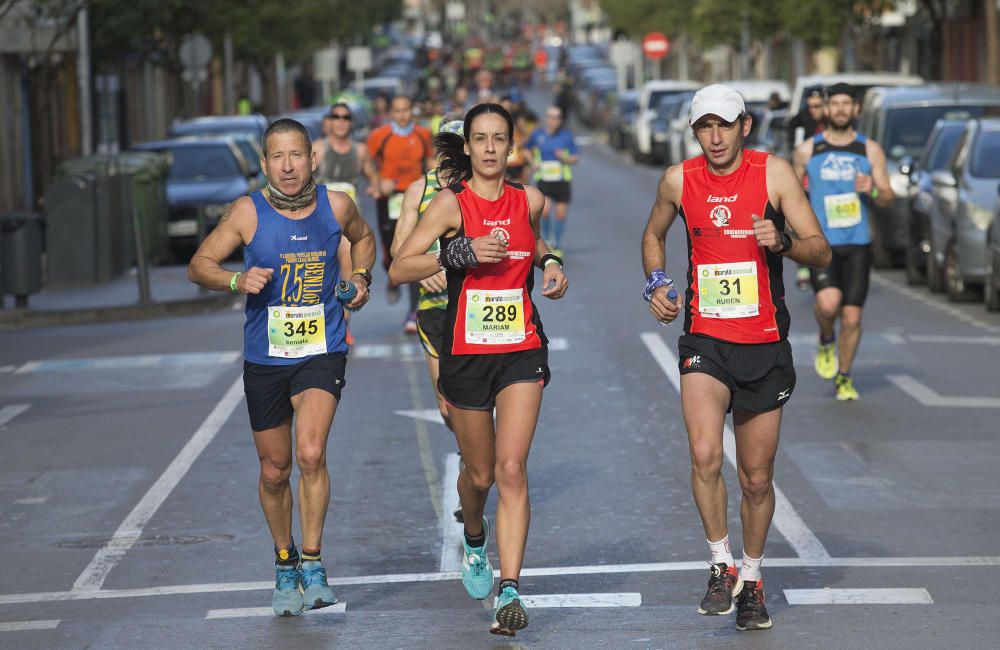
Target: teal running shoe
[
  {"x": 287, "y": 597},
  {"x": 317, "y": 592},
  {"x": 477, "y": 573},
  {"x": 511, "y": 615}
]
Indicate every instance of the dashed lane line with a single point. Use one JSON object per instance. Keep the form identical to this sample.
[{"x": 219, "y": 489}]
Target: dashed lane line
[
  {"x": 599, "y": 569},
  {"x": 929, "y": 397},
  {"x": 883, "y": 596},
  {"x": 11, "y": 411},
  {"x": 258, "y": 612},
  {"x": 23, "y": 626},
  {"x": 451, "y": 531}
]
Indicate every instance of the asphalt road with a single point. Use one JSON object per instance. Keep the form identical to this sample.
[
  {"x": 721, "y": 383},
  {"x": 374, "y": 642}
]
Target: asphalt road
[{"x": 129, "y": 514}]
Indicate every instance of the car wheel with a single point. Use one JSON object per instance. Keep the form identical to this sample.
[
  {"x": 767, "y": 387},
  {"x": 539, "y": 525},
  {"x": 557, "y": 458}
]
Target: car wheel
[
  {"x": 915, "y": 266},
  {"x": 935, "y": 274},
  {"x": 958, "y": 290},
  {"x": 991, "y": 288}
]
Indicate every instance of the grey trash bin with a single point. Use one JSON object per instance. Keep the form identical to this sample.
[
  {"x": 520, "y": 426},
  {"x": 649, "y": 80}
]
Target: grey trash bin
[
  {"x": 72, "y": 242},
  {"x": 21, "y": 242}
]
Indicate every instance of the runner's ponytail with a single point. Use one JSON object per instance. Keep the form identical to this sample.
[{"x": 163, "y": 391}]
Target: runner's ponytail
[{"x": 455, "y": 165}]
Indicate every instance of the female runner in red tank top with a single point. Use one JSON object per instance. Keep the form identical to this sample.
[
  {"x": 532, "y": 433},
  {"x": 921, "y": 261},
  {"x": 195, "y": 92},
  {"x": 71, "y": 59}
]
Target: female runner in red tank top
[{"x": 495, "y": 354}]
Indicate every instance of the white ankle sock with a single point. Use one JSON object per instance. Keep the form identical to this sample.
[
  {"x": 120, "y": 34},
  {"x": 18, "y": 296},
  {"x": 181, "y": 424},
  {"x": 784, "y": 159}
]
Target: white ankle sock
[
  {"x": 750, "y": 571},
  {"x": 721, "y": 551}
]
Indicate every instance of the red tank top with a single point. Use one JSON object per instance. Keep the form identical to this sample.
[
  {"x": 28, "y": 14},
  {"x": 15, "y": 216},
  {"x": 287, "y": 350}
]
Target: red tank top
[
  {"x": 489, "y": 307},
  {"x": 735, "y": 290}
]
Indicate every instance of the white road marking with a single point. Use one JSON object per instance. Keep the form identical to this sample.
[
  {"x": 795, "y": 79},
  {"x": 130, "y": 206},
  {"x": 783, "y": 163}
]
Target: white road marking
[
  {"x": 254, "y": 612},
  {"x": 451, "y": 531},
  {"x": 936, "y": 303},
  {"x": 895, "y": 338},
  {"x": 597, "y": 569},
  {"x": 130, "y": 530},
  {"x": 629, "y": 599},
  {"x": 786, "y": 520},
  {"x": 21, "y": 626},
  {"x": 858, "y": 597},
  {"x": 929, "y": 397},
  {"x": 130, "y": 361},
  {"x": 949, "y": 340},
  {"x": 427, "y": 415},
  {"x": 31, "y": 501},
  {"x": 11, "y": 411},
  {"x": 558, "y": 344},
  {"x": 8, "y": 368}
]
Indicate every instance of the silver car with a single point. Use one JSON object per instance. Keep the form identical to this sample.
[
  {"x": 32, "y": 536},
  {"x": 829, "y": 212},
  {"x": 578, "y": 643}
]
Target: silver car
[
  {"x": 965, "y": 197},
  {"x": 991, "y": 278}
]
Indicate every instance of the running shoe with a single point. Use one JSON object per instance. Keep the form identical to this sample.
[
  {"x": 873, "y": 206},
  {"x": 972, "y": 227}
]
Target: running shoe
[
  {"x": 511, "y": 615},
  {"x": 802, "y": 278},
  {"x": 457, "y": 514},
  {"x": 845, "y": 388},
  {"x": 751, "y": 614},
  {"x": 826, "y": 360},
  {"x": 724, "y": 584},
  {"x": 410, "y": 326},
  {"x": 477, "y": 572},
  {"x": 287, "y": 597},
  {"x": 317, "y": 592},
  {"x": 348, "y": 337}
]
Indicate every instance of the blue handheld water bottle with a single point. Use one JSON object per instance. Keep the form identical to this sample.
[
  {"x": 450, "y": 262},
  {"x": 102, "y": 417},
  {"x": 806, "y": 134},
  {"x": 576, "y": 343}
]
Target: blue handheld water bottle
[
  {"x": 346, "y": 292},
  {"x": 671, "y": 294}
]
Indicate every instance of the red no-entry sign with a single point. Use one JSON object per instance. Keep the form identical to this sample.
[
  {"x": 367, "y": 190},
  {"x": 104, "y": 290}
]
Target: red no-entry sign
[{"x": 655, "y": 45}]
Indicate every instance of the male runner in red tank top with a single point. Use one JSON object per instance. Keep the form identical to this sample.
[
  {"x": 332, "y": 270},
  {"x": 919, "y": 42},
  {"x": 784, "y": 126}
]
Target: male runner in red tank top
[{"x": 734, "y": 354}]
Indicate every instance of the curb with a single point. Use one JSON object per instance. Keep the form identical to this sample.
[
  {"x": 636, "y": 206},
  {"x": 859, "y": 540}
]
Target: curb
[{"x": 14, "y": 319}]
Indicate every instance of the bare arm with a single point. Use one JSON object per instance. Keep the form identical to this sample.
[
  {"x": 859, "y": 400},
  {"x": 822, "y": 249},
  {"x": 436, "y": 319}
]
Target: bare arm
[
  {"x": 236, "y": 228},
  {"x": 355, "y": 229},
  {"x": 408, "y": 215},
  {"x": 880, "y": 174},
  {"x": 787, "y": 196},
  {"x": 367, "y": 164},
  {"x": 412, "y": 263},
  {"x": 654, "y": 239},
  {"x": 800, "y": 159}
]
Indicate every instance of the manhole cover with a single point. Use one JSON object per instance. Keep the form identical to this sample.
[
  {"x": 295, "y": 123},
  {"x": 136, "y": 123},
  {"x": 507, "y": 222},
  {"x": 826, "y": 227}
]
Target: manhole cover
[{"x": 150, "y": 540}]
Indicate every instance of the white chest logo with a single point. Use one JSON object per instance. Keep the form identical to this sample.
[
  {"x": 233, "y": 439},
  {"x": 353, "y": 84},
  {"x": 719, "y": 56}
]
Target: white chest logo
[
  {"x": 720, "y": 216},
  {"x": 501, "y": 234}
]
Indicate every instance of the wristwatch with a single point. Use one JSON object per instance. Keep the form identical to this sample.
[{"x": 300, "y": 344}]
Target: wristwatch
[
  {"x": 786, "y": 243},
  {"x": 365, "y": 274}
]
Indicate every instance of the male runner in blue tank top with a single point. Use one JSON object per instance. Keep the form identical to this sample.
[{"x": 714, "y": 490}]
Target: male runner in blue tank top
[
  {"x": 293, "y": 340},
  {"x": 845, "y": 171}
]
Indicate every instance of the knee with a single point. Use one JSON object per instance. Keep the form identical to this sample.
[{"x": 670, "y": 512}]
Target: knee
[
  {"x": 850, "y": 320},
  {"x": 481, "y": 479},
  {"x": 706, "y": 460},
  {"x": 511, "y": 474},
  {"x": 756, "y": 484},
  {"x": 827, "y": 308},
  {"x": 274, "y": 473},
  {"x": 310, "y": 457}
]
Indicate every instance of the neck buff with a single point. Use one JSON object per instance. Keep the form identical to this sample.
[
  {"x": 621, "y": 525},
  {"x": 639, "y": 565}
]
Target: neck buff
[
  {"x": 402, "y": 131},
  {"x": 297, "y": 202}
]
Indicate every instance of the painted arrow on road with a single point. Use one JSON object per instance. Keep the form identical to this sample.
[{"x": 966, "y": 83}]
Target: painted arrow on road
[{"x": 929, "y": 397}]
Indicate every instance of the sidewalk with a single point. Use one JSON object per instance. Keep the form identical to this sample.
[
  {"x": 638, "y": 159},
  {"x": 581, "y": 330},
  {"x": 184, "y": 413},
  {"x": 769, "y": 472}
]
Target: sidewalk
[{"x": 171, "y": 293}]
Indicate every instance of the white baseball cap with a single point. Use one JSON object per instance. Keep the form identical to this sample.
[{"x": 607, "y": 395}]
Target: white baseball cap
[{"x": 716, "y": 100}]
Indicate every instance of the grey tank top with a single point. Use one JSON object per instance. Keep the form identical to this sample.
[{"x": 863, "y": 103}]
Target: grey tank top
[{"x": 338, "y": 167}]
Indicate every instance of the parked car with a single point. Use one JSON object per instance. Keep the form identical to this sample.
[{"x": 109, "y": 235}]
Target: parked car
[
  {"x": 756, "y": 97},
  {"x": 767, "y": 133},
  {"x": 221, "y": 125},
  {"x": 641, "y": 141},
  {"x": 671, "y": 116},
  {"x": 899, "y": 119},
  {"x": 991, "y": 274},
  {"x": 206, "y": 174},
  {"x": 252, "y": 153},
  {"x": 935, "y": 156},
  {"x": 965, "y": 197},
  {"x": 619, "y": 123}
]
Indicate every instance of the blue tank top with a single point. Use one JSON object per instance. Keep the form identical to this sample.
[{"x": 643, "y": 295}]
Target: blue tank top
[
  {"x": 303, "y": 254},
  {"x": 842, "y": 212}
]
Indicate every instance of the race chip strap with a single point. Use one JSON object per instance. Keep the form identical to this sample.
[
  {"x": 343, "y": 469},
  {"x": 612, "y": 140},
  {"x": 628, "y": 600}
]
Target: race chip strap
[
  {"x": 656, "y": 280},
  {"x": 232, "y": 283},
  {"x": 458, "y": 254}
]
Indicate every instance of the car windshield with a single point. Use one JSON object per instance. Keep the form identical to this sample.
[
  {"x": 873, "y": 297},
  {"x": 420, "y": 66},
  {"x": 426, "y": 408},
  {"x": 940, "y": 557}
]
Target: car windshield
[
  {"x": 943, "y": 147},
  {"x": 907, "y": 128},
  {"x": 212, "y": 161},
  {"x": 657, "y": 96},
  {"x": 250, "y": 155},
  {"x": 986, "y": 155},
  {"x": 667, "y": 108}
]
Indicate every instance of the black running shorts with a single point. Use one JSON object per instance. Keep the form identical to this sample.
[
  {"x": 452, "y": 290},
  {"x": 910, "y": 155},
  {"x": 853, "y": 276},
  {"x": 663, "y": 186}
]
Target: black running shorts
[
  {"x": 558, "y": 191},
  {"x": 760, "y": 377},
  {"x": 430, "y": 328},
  {"x": 849, "y": 271},
  {"x": 472, "y": 381},
  {"x": 269, "y": 389}
]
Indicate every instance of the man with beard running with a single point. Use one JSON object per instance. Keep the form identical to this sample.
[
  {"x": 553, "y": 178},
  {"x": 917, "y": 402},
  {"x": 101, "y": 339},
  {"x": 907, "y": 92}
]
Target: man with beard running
[
  {"x": 293, "y": 340},
  {"x": 845, "y": 171},
  {"x": 734, "y": 353}
]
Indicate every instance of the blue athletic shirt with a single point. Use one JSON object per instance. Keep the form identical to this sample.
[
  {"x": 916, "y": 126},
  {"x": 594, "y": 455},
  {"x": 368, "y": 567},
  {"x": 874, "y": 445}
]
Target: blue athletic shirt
[
  {"x": 303, "y": 254},
  {"x": 544, "y": 145},
  {"x": 842, "y": 212}
]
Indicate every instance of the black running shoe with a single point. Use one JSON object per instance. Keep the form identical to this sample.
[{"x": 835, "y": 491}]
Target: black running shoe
[
  {"x": 724, "y": 584},
  {"x": 751, "y": 614}
]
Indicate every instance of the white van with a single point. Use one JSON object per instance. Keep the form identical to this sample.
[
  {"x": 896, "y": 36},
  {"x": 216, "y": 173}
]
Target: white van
[{"x": 650, "y": 95}]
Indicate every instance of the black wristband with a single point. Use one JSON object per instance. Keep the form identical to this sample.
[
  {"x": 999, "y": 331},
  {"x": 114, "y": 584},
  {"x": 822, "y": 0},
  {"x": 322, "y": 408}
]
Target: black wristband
[
  {"x": 547, "y": 257},
  {"x": 458, "y": 254},
  {"x": 786, "y": 243}
]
